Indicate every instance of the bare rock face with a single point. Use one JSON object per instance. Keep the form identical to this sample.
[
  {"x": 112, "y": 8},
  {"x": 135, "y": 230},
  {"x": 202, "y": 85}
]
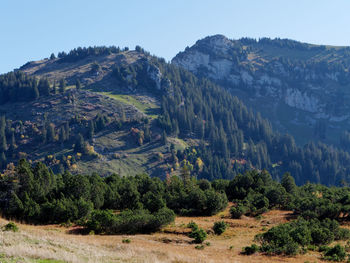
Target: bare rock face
[
  {"x": 155, "y": 74},
  {"x": 268, "y": 74}
]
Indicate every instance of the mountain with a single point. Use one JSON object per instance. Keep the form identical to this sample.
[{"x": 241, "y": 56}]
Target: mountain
[
  {"x": 302, "y": 89},
  {"x": 112, "y": 110},
  {"x": 109, "y": 122}
]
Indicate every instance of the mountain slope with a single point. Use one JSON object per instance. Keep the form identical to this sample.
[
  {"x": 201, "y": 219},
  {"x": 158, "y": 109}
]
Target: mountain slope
[
  {"x": 136, "y": 113},
  {"x": 302, "y": 89},
  {"x": 115, "y": 146}
]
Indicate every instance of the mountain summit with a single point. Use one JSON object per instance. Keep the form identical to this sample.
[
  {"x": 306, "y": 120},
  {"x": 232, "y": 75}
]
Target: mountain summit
[{"x": 301, "y": 88}]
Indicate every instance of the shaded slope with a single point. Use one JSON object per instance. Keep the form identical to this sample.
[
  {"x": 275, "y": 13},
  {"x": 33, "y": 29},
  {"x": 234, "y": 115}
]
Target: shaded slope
[{"x": 297, "y": 86}]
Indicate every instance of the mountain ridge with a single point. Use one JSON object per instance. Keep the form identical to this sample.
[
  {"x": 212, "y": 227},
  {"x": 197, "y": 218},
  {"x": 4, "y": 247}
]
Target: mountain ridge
[
  {"x": 179, "y": 124},
  {"x": 282, "y": 74}
]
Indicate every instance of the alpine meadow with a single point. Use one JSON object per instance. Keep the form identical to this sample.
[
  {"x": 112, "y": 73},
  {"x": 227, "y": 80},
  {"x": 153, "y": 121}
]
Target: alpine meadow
[{"x": 229, "y": 150}]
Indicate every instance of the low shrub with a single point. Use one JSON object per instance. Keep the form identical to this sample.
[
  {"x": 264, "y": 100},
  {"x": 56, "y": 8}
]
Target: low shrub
[
  {"x": 219, "y": 227},
  {"x": 11, "y": 226},
  {"x": 129, "y": 221},
  {"x": 199, "y": 235},
  {"x": 251, "y": 250},
  {"x": 237, "y": 211},
  {"x": 288, "y": 238},
  {"x": 336, "y": 253},
  {"x": 199, "y": 247},
  {"x": 192, "y": 225}
]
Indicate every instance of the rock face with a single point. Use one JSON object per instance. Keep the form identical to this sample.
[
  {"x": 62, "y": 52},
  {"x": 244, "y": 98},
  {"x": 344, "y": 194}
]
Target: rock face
[{"x": 294, "y": 84}]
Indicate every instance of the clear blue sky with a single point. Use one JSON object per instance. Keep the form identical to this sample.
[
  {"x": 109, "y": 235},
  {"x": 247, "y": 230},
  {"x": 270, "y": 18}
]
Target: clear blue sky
[{"x": 31, "y": 30}]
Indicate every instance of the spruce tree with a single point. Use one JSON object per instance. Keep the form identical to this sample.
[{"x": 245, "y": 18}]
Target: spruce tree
[
  {"x": 3, "y": 160},
  {"x": 164, "y": 138},
  {"x": 3, "y": 143},
  {"x": 78, "y": 84},
  {"x": 62, "y": 86},
  {"x": 79, "y": 144}
]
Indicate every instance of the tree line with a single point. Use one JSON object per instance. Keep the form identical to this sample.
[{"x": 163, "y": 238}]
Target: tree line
[{"x": 18, "y": 86}]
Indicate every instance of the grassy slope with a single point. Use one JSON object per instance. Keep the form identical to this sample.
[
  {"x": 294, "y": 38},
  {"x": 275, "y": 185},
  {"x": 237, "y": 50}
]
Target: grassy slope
[
  {"x": 171, "y": 244},
  {"x": 143, "y": 105}
]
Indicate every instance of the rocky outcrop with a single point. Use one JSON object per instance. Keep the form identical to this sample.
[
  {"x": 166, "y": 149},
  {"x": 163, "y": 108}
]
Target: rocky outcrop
[{"x": 268, "y": 73}]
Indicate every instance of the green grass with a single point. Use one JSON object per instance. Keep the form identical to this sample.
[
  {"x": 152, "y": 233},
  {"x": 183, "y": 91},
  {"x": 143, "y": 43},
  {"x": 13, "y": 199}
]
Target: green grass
[{"x": 148, "y": 108}]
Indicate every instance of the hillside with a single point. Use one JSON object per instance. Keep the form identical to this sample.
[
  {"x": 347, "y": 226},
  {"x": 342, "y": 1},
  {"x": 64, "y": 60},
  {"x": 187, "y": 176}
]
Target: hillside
[
  {"x": 115, "y": 146},
  {"x": 36, "y": 243},
  {"x": 302, "y": 89},
  {"x": 127, "y": 112}
]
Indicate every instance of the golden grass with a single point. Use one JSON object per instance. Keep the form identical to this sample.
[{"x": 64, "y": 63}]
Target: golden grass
[{"x": 170, "y": 245}]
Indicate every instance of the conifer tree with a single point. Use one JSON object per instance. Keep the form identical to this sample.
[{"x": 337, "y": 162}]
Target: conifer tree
[
  {"x": 62, "y": 87},
  {"x": 3, "y": 160},
  {"x": 78, "y": 84},
  {"x": 3, "y": 143},
  {"x": 79, "y": 144},
  {"x": 164, "y": 138}
]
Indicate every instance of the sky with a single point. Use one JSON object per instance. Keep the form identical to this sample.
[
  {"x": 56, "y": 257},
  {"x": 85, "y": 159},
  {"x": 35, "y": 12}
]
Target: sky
[{"x": 32, "y": 30}]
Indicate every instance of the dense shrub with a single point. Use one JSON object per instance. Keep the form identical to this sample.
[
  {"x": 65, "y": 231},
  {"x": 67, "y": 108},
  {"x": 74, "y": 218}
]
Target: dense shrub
[
  {"x": 249, "y": 250},
  {"x": 289, "y": 237},
  {"x": 237, "y": 211},
  {"x": 129, "y": 221},
  {"x": 219, "y": 227},
  {"x": 199, "y": 235},
  {"x": 192, "y": 225},
  {"x": 336, "y": 253}
]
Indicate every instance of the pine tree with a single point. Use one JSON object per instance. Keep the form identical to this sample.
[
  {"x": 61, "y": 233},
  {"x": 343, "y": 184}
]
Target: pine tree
[
  {"x": 3, "y": 160},
  {"x": 62, "y": 135},
  {"x": 13, "y": 145},
  {"x": 78, "y": 84},
  {"x": 62, "y": 86},
  {"x": 79, "y": 144},
  {"x": 36, "y": 93},
  {"x": 91, "y": 130},
  {"x": 66, "y": 131},
  {"x": 51, "y": 132},
  {"x": 3, "y": 143},
  {"x": 164, "y": 138}
]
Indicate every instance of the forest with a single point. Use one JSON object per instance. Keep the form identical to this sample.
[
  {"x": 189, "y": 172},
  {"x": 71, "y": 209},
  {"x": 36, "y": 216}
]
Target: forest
[
  {"x": 231, "y": 137},
  {"x": 141, "y": 204}
]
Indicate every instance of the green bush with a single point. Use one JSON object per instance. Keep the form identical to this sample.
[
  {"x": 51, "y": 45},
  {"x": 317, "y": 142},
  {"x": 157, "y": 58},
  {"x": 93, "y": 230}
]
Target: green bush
[
  {"x": 129, "y": 221},
  {"x": 199, "y": 247},
  {"x": 126, "y": 241},
  {"x": 251, "y": 250},
  {"x": 237, "y": 211},
  {"x": 192, "y": 225},
  {"x": 199, "y": 235},
  {"x": 288, "y": 238},
  {"x": 219, "y": 227},
  {"x": 336, "y": 253},
  {"x": 11, "y": 226}
]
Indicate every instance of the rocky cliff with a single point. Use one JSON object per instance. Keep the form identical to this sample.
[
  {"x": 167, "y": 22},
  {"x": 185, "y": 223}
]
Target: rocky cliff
[{"x": 295, "y": 85}]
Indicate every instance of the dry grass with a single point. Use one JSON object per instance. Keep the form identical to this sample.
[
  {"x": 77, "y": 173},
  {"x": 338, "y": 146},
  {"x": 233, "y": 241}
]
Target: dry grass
[{"x": 170, "y": 245}]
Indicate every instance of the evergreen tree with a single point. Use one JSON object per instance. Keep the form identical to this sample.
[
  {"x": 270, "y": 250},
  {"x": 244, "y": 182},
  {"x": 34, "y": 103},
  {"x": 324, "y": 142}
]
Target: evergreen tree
[
  {"x": 62, "y": 86},
  {"x": 164, "y": 138},
  {"x": 79, "y": 144},
  {"x": 3, "y": 160},
  {"x": 78, "y": 84},
  {"x": 3, "y": 142},
  {"x": 91, "y": 130},
  {"x": 50, "y": 132},
  {"x": 13, "y": 145}
]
